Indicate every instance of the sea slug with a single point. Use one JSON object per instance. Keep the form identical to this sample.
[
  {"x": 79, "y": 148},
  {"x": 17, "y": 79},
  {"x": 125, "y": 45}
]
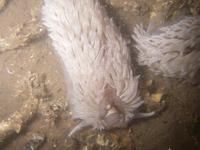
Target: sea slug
[
  {"x": 173, "y": 50},
  {"x": 102, "y": 87}
]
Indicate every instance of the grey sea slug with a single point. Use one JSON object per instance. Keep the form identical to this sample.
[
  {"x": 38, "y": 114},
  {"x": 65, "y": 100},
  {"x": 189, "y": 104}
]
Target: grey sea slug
[
  {"x": 173, "y": 50},
  {"x": 102, "y": 87}
]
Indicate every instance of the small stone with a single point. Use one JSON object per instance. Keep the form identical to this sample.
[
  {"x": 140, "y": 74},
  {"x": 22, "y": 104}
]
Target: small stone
[
  {"x": 85, "y": 148},
  {"x": 108, "y": 107},
  {"x": 147, "y": 94},
  {"x": 156, "y": 97},
  {"x": 2, "y": 4},
  {"x": 54, "y": 145},
  {"x": 70, "y": 113},
  {"x": 102, "y": 141},
  {"x": 36, "y": 141},
  {"x": 149, "y": 82}
]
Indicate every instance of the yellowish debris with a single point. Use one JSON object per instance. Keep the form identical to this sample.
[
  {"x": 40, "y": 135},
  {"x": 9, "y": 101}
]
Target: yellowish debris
[
  {"x": 2, "y": 4},
  {"x": 101, "y": 140},
  {"x": 153, "y": 14},
  {"x": 156, "y": 97}
]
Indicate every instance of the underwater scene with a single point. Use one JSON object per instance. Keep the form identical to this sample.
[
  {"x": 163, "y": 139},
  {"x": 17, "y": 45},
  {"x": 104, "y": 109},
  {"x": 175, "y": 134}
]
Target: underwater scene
[{"x": 99, "y": 74}]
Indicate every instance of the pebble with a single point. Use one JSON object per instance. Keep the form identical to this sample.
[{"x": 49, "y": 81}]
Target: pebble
[{"x": 156, "y": 97}]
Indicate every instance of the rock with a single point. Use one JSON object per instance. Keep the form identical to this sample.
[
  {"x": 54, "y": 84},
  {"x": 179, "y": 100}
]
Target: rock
[
  {"x": 2, "y": 4},
  {"x": 156, "y": 97},
  {"x": 101, "y": 140},
  {"x": 35, "y": 142}
]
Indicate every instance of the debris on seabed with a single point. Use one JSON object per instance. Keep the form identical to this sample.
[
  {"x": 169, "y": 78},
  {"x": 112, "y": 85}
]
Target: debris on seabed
[
  {"x": 2, "y": 4},
  {"x": 101, "y": 140},
  {"x": 35, "y": 142},
  {"x": 156, "y": 97},
  {"x": 155, "y": 92},
  {"x": 22, "y": 35}
]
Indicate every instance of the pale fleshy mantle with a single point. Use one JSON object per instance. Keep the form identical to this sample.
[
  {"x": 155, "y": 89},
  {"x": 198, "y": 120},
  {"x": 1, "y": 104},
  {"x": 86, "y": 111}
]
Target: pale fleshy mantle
[
  {"x": 102, "y": 88},
  {"x": 173, "y": 51}
]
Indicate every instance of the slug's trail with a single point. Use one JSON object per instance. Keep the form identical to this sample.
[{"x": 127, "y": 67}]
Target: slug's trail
[{"x": 103, "y": 92}]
